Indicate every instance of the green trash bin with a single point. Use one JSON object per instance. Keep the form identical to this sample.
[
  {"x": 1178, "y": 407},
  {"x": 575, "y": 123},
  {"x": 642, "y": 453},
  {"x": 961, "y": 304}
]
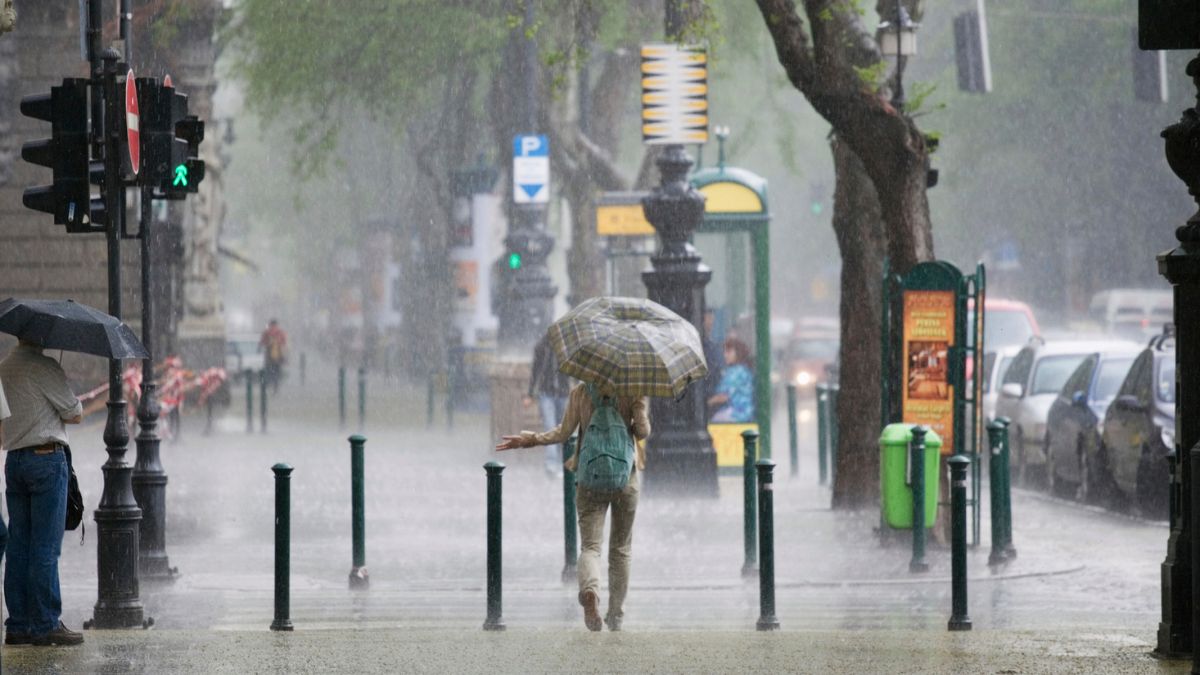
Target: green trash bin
[{"x": 895, "y": 486}]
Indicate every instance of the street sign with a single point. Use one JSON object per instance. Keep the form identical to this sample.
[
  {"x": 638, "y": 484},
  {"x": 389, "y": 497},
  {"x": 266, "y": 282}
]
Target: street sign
[
  {"x": 674, "y": 94},
  {"x": 132, "y": 123},
  {"x": 531, "y": 169}
]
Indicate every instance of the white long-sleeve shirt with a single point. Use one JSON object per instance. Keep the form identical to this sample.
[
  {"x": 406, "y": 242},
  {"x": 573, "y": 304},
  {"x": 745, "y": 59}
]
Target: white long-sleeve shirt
[{"x": 38, "y": 397}]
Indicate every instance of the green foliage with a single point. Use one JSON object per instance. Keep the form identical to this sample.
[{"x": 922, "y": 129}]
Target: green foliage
[{"x": 918, "y": 94}]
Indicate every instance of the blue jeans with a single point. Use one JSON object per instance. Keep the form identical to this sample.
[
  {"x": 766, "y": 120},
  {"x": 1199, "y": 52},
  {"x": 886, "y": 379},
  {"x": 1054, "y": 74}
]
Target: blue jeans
[
  {"x": 552, "y": 409},
  {"x": 37, "y": 512}
]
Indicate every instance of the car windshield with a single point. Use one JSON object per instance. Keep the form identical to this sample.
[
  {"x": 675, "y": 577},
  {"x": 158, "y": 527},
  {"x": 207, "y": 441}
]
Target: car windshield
[
  {"x": 1112, "y": 373},
  {"x": 1005, "y": 327},
  {"x": 814, "y": 348},
  {"x": 1165, "y": 382},
  {"x": 989, "y": 362},
  {"x": 1051, "y": 373}
]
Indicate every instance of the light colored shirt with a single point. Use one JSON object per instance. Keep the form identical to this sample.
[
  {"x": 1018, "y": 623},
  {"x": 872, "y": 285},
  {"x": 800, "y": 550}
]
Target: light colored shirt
[
  {"x": 579, "y": 413},
  {"x": 4, "y": 411},
  {"x": 39, "y": 399}
]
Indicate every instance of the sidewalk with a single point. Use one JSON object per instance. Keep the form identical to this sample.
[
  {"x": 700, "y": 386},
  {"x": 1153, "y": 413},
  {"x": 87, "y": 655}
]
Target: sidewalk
[{"x": 1081, "y": 597}]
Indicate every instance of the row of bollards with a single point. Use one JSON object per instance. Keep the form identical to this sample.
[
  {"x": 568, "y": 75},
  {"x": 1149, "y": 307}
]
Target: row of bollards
[
  {"x": 749, "y": 502},
  {"x": 494, "y": 620},
  {"x": 793, "y": 434},
  {"x": 916, "y": 463},
  {"x": 262, "y": 388}
]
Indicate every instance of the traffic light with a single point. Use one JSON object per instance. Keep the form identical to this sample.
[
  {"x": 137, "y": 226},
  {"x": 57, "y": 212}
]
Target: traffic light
[
  {"x": 172, "y": 163},
  {"x": 68, "y": 198},
  {"x": 514, "y": 261}
]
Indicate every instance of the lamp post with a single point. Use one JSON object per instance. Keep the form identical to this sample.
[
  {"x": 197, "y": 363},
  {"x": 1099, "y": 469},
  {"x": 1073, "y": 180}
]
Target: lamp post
[
  {"x": 1181, "y": 267},
  {"x": 118, "y": 516},
  {"x": 898, "y": 37}
]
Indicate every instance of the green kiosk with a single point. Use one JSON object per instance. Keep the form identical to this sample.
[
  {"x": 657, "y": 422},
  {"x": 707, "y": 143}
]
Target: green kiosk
[{"x": 733, "y": 241}]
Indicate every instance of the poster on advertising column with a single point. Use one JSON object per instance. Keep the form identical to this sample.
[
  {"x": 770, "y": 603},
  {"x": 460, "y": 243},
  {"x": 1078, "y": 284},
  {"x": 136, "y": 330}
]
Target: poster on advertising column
[{"x": 928, "y": 395}]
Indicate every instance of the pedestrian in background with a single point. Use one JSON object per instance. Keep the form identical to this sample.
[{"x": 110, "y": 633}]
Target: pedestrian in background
[
  {"x": 593, "y": 505},
  {"x": 273, "y": 345},
  {"x": 35, "y": 470},
  {"x": 733, "y": 400},
  {"x": 549, "y": 388}
]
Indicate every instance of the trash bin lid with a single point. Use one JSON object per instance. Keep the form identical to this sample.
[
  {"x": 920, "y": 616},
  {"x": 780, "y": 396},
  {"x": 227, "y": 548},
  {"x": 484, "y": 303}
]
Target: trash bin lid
[{"x": 900, "y": 433}]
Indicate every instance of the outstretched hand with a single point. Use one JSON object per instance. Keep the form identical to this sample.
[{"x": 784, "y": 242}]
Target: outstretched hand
[{"x": 510, "y": 443}]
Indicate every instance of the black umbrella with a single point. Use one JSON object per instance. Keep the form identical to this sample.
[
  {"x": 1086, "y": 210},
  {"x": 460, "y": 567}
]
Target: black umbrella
[{"x": 70, "y": 326}]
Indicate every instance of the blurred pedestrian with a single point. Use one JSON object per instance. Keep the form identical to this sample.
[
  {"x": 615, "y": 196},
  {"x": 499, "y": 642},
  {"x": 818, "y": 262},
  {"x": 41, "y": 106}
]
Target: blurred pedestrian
[
  {"x": 273, "y": 345},
  {"x": 35, "y": 470},
  {"x": 550, "y": 389},
  {"x": 593, "y": 505},
  {"x": 733, "y": 401}
]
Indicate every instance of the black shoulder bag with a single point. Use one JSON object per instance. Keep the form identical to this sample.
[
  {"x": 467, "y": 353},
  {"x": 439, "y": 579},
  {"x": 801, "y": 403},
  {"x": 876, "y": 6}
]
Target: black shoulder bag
[{"x": 74, "y": 498}]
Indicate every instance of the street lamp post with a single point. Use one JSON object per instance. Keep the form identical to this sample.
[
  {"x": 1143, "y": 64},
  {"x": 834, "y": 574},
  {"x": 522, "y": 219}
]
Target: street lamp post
[
  {"x": 118, "y": 517},
  {"x": 1181, "y": 267},
  {"x": 898, "y": 37},
  {"x": 149, "y": 480},
  {"x": 680, "y": 448}
]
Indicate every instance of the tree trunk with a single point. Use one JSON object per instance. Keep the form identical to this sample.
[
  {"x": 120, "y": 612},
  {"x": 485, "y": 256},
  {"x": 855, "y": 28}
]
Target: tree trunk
[{"x": 857, "y": 224}]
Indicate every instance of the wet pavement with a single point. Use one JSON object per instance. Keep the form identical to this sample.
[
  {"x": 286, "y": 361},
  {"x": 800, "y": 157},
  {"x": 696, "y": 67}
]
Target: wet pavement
[{"x": 1082, "y": 595}]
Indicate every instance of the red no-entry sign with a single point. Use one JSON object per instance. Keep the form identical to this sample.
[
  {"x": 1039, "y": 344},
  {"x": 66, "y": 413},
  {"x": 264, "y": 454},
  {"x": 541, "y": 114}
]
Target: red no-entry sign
[{"x": 132, "y": 123}]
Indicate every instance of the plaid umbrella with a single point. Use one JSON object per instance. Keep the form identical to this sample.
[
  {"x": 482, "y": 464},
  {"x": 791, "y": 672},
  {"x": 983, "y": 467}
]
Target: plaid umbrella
[{"x": 635, "y": 347}]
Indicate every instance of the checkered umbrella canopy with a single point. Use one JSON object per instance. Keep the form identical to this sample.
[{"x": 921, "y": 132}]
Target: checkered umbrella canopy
[{"x": 635, "y": 347}]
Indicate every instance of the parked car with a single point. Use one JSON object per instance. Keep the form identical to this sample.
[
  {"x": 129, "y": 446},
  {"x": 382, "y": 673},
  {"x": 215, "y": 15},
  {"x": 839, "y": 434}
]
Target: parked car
[
  {"x": 1139, "y": 433},
  {"x": 1028, "y": 389},
  {"x": 995, "y": 364},
  {"x": 1074, "y": 422},
  {"x": 1007, "y": 323},
  {"x": 242, "y": 354}
]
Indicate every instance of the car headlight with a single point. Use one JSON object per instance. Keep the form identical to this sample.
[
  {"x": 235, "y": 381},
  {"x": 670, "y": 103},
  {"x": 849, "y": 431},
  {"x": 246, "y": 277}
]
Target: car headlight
[
  {"x": 804, "y": 378},
  {"x": 1168, "y": 437}
]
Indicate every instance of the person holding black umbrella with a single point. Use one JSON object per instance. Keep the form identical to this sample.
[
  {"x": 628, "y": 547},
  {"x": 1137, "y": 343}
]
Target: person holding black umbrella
[{"x": 35, "y": 470}]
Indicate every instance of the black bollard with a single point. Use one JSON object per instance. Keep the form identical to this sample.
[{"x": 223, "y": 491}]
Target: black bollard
[
  {"x": 341, "y": 397},
  {"x": 793, "y": 440},
  {"x": 959, "y": 620},
  {"x": 283, "y": 544},
  {"x": 362, "y": 398},
  {"x": 429, "y": 392},
  {"x": 570, "y": 525},
  {"x": 494, "y": 470},
  {"x": 358, "y": 516},
  {"x": 208, "y": 416},
  {"x": 749, "y": 502},
  {"x": 916, "y": 449},
  {"x": 766, "y": 545},
  {"x": 303, "y": 367},
  {"x": 262, "y": 402},
  {"x": 249, "y": 402},
  {"x": 997, "y": 432},
  {"x": 450, "y": 379},
  {"x": 822, "y": 433}
]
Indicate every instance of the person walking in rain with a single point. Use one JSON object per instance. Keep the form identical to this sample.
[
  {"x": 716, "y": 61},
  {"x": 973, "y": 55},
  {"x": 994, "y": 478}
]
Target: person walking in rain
[
  {"x": 273, "y": 344},
  {"x": 622, "y": 350},
  {"x": 593, "y": 505},
  {"x": 35, "y": 470}
]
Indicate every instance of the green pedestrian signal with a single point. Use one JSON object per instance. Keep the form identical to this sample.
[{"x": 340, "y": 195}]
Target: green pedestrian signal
[
  {"x": 514, "y": 261},
  {"x": 181, "y": 178},
  {"x": 817, "y": 208}
]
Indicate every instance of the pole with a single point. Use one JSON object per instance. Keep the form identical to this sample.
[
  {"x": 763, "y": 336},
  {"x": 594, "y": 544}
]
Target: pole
[
  {"x": 959, "y": 620},
  {"x": 823, "y": 432},
  {"x": 249, "y": 401},
  {"x": 429, "y": 402},
  {"x": 766, "y": 545},
  {"x": 118, "y": 517},
  {"x": 362, "y": 398},
  {"x": 749, "y": 505},
  {"x": 262, "y": 400},
  {"x": 303, "y": 367},
  {"x": 835, "y": 391},
  {"x": 283, "y": 544},
  {"x": 997, "y": 470},
  {"x": 149, "y": 481},
  {"x": 495, "y": 471},
  {"x": 358, "y": 570},
  {"x": 1010, "y": 552},
  {"x": 916, "y": 450},
  {"x": 570, "y": 526},
  {"x": 341, "y": 397},
  {"x": 793, "y": 440}
]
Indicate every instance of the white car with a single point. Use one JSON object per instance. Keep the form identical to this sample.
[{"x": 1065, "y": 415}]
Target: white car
[
  {"x": 1029, "y": 388},
  {"x": 995, "y": 364}
]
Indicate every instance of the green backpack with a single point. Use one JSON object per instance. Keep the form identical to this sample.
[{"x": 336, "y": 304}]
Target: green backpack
[{"x": 606, "y": 457}]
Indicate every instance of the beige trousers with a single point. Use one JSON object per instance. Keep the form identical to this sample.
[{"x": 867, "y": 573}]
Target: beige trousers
[{"x": 592, "y": 507}]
